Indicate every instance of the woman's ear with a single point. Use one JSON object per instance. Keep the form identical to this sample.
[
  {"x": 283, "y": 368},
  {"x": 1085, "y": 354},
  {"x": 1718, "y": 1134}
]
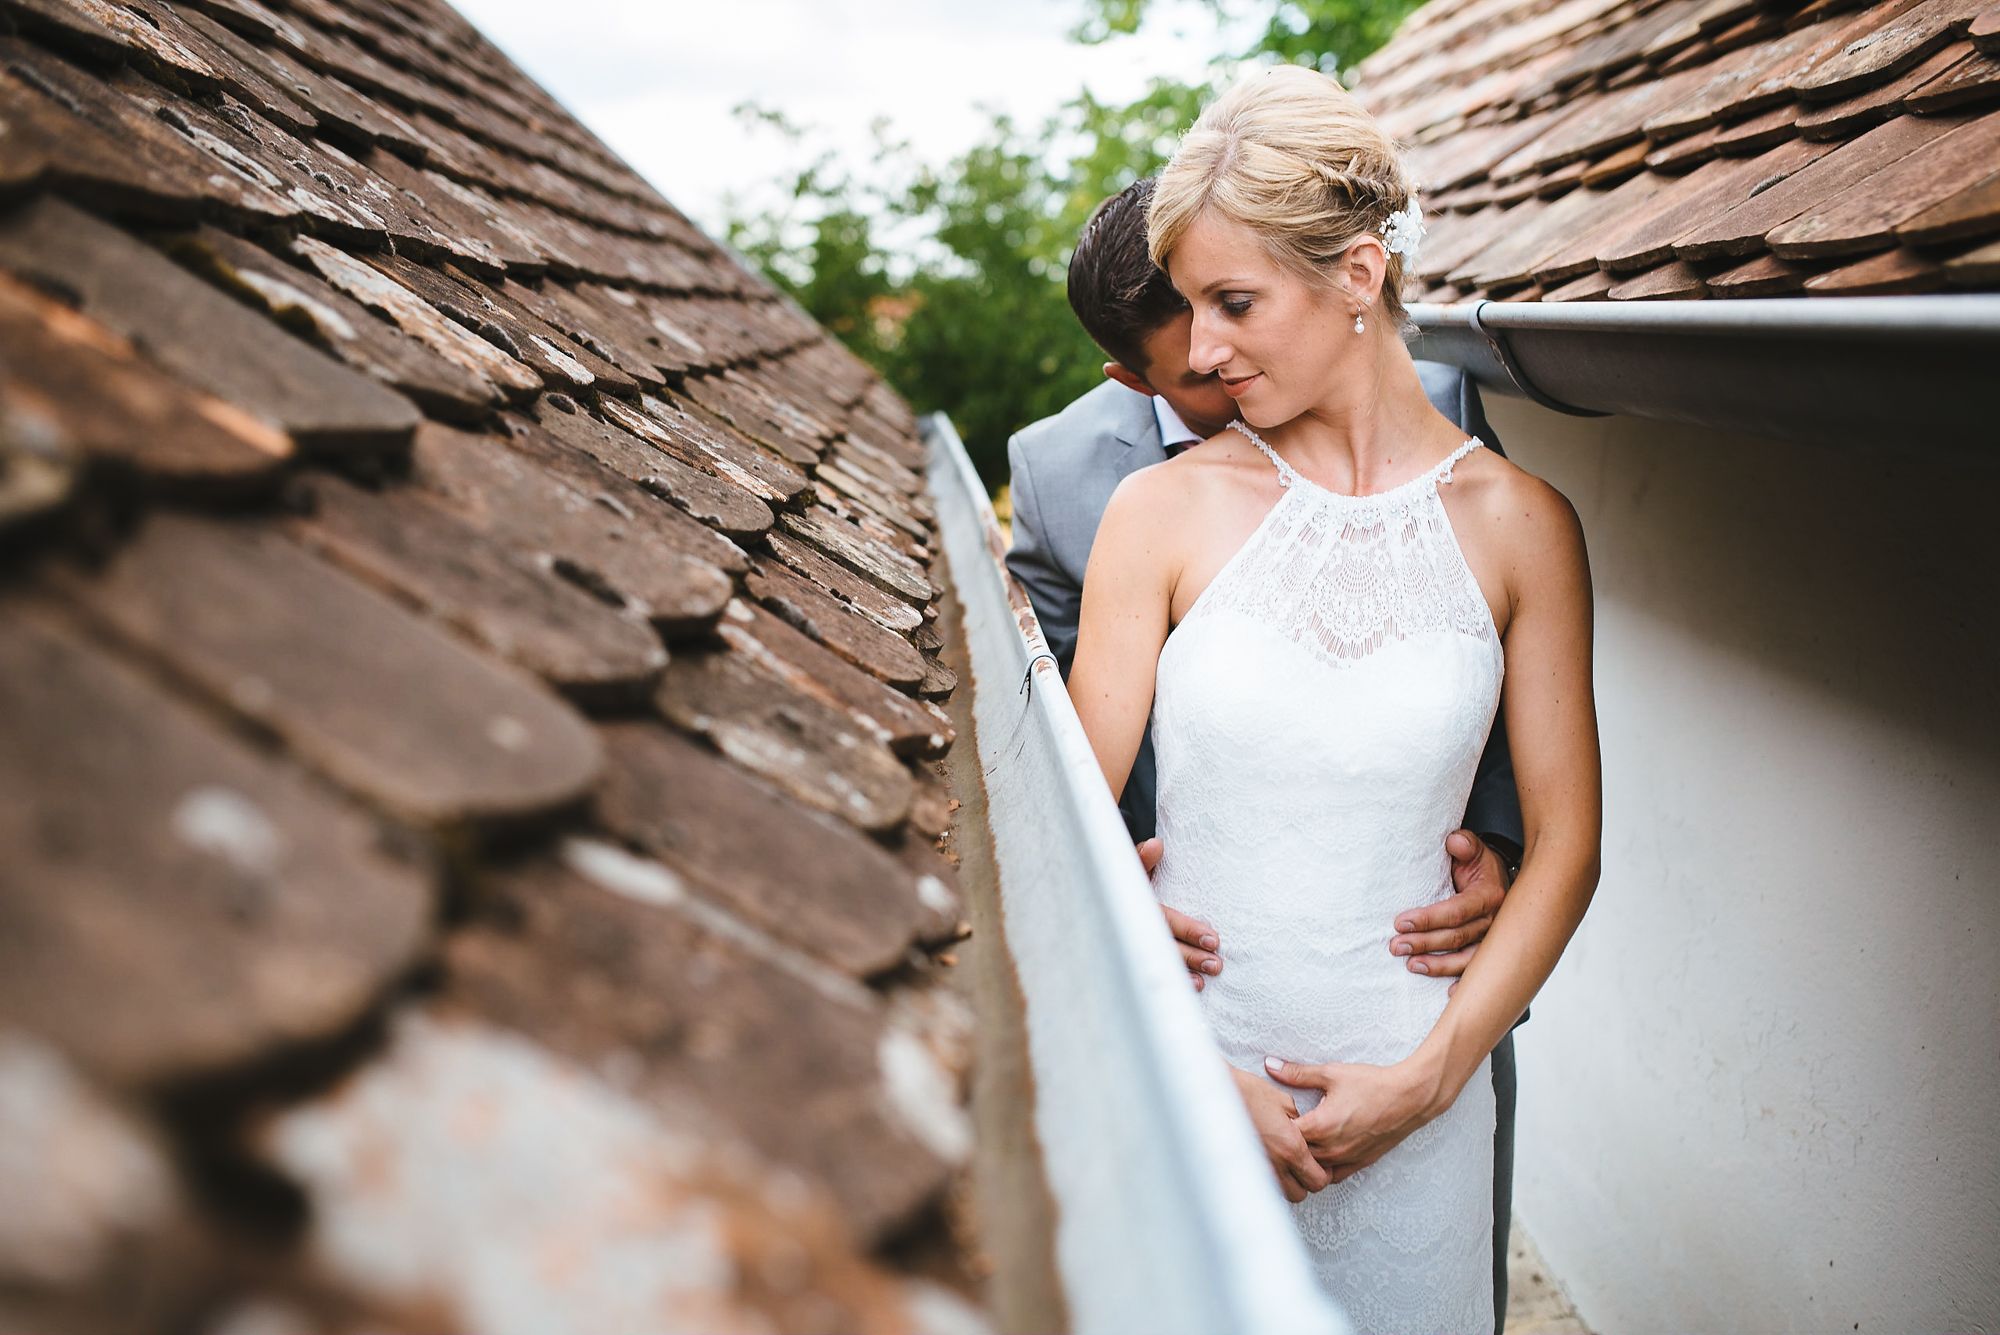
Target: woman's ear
[{"x": 1363, "y": 267}]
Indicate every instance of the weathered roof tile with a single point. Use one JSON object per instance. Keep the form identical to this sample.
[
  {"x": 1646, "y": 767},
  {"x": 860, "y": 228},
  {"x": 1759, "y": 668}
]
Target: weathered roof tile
[
  {"x": 819, "y": 753},
  {"x": 506, "y": 378},
  {"x": 1971, "y": 80},
  {"x": 236, "y": 906},
  {"x": 1741, "y": 231},
  {"x": 202, "y": 336},
  {"x": 561, "y": 364},
  {"x": 657, "y": 459},
  {"x": 1889, "y": 272},
  {"x": 1868, "y": 217},
  {"x": 867, "y": 556},
  {"x": 427, "y": 556},
  {"x": 712, "y": 505},
  {"x": 696, "y": 436},
  {"x": 100, "y": 149},
  {"x": 92, "y": 1200},
  {"x": 310, "y": 307},
  {"x": 1882, "y": 44},
  {"x": 865, "y": 596},
  {"x": 910, "y": 727},
  {"x": 789, "y": 1058},
  {"x": 761, "y": 415},
  {"x": 816, "y": 612},
  {"x": 386, "y": 643},
  {"x": 794, "y": 872},
  {"x": 83, "y": 386},
  {"x": 582, "y": 521},
  {"x": 1972, "y": 210},
  {"x": 556, "y": 306},
  {"x": 1504, "y": 98},
  {"x": 311, "y": 656},
  {"x": 475, "y": 1178}
]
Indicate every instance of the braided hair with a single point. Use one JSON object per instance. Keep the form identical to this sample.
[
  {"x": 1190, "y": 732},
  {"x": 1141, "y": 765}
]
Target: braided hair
[{"x": 1292, "y": 155}]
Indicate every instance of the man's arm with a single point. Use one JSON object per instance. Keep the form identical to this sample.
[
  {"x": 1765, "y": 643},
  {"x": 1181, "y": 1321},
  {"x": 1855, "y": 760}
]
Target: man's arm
[
  {"x": 1056, "y": 596},
  {"x": 1494, "y": 809}
]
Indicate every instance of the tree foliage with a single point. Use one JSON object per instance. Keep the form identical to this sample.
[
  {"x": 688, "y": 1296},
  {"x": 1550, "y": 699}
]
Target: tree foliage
[{"x": 949, "y": 278}]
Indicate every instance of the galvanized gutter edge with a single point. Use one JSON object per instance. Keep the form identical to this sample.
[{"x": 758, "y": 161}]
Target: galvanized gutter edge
[
  {"x": 1870, "y": 371},
  {"x": 1168, "y": 1219}
]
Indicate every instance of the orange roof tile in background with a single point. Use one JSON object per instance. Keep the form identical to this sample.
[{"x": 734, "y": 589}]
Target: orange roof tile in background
[{"x": 1675, "y": 149}]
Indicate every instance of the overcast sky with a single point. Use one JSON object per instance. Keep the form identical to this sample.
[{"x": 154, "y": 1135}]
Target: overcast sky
[{"x": 656, "y": 79}]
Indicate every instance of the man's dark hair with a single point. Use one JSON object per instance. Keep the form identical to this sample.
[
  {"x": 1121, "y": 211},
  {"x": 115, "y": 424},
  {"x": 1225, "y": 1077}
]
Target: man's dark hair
[{"x": 1116, "y": 290}]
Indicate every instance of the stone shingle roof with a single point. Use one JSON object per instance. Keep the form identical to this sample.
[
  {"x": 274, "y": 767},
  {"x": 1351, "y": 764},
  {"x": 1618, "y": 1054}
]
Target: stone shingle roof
[
  {"x": 1577, "y": 150},
  {"x": 475, "y": 852}
]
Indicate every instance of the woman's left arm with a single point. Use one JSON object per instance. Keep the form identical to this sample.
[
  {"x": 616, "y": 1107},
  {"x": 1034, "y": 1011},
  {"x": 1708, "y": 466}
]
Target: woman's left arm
[{"x": 1551, "y": 719}]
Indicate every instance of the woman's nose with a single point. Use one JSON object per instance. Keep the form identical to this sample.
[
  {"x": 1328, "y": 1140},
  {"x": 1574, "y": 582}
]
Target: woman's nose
[{"x": 1207, "y": 349}]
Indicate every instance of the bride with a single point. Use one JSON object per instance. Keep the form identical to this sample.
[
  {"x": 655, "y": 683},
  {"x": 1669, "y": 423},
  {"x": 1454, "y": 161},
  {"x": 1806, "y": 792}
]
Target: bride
[{"x": 1321, "y": 606}]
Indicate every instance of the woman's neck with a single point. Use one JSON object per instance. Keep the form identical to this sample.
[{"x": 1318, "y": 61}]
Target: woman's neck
[{"x": 1374, "y": 428}]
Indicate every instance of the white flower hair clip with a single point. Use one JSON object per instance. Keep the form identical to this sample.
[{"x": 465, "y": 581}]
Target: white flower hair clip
[{"x": 1404, "y": 231}]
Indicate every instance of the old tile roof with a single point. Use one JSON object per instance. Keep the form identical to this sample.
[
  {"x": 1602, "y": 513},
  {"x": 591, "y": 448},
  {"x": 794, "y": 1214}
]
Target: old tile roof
[
  {"x": 470, "y": 713},
  {"x": 1583, "y": 150}
]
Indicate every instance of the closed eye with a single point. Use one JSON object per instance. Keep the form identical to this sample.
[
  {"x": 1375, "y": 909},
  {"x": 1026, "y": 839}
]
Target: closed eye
[{"x": 1237, "y": 306}]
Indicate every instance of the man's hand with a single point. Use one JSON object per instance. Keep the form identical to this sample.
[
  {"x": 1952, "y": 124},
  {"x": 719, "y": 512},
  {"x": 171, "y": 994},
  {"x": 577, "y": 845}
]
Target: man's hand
[
  {"x": 1366, "y": 1111},
  {"x": 1440, "y": 938},
  {"x": 1197, "y": 940},
  {"x": 1276, "y": 1117}
]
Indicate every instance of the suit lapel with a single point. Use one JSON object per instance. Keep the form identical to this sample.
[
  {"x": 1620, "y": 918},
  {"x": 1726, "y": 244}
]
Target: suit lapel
[{"x": 1138, "y": 435}]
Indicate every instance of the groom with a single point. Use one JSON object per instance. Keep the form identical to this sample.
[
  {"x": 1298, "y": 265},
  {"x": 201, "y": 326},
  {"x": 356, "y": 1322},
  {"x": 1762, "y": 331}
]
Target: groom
[{"x": 1151, "y": 407}]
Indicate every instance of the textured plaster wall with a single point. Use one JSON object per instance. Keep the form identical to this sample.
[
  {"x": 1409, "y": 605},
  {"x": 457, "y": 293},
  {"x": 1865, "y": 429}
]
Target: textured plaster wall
[{"x": 1762, "y": 1091}]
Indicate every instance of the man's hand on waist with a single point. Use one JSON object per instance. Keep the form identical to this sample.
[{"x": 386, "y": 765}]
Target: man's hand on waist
[
  {"x": 1197, "y": 940},
  {"x": 1439, "y": 939}
]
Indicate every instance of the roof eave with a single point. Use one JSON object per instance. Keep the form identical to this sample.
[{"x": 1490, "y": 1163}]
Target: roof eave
[{"x": 1891, "y": 370}]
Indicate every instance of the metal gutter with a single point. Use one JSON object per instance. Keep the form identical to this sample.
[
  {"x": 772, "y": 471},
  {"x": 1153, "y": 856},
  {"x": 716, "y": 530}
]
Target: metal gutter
[
  {"x": 1882, "y": 371},
  {"x": 1168, "y": 1218}
]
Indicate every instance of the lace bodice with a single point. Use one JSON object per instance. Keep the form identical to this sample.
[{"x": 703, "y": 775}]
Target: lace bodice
[
  {"x": 1347, "y": 574},
  {"x": 1318, "y": 719}
]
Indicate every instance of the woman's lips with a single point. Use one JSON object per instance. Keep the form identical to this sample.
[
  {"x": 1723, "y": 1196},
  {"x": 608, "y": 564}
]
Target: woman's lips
[{"x": 1234, "y": 388}]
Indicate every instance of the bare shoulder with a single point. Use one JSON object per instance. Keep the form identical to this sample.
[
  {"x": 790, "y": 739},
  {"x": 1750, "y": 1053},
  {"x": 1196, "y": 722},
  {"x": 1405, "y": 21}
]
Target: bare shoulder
[
  {"x": 1524, "y": 517},
  {"x": 1188, "y": 486}
]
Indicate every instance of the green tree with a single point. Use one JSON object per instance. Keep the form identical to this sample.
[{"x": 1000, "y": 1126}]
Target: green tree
[{"x": 949, "y": 279}]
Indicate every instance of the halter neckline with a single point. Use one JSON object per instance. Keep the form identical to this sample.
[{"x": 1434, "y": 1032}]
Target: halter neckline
[{"x": 1439, "y": 472}]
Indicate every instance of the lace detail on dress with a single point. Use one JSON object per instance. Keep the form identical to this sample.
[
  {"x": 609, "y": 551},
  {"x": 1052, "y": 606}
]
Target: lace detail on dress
[
  {"x": 1344, "y": 575},
  {"x": 1318, "y": 719}
]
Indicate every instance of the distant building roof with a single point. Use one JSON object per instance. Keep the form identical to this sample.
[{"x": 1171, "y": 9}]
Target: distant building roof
[
  {"x": 471, "y": 850},
  {"x": 1574, "y": 150}
]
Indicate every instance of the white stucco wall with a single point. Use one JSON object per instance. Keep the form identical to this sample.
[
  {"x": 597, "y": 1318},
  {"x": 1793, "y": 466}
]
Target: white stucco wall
[{"x": 1762, "y": 1091}]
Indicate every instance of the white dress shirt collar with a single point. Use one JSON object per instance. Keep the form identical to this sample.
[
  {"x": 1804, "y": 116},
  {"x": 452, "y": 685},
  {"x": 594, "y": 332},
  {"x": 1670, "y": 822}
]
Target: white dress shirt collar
[{"x": 1174, "y": 433}]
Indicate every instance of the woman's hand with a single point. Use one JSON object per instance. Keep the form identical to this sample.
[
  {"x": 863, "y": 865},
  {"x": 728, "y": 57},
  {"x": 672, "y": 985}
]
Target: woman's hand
[
  {"x": 1366, "y": 1111},
  {"x": 1276, "y": 1118}
]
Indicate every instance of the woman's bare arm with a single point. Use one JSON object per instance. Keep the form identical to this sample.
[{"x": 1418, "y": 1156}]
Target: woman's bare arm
[
  {"x": 1552, "y": 726},
  {"x": 1127, "y": 593},
  {"x": 1551, "y": 715}
]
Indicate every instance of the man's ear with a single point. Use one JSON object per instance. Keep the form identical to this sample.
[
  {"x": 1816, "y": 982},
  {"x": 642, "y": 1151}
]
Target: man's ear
[{"x": 1125, "y": 376}]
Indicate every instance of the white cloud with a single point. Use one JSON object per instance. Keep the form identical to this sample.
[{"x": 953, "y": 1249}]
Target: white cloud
[{"x": 657, "y": 81}]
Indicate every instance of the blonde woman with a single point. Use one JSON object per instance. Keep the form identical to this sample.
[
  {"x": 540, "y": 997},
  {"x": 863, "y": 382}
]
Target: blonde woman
[{"x": 1321, "y": 607}]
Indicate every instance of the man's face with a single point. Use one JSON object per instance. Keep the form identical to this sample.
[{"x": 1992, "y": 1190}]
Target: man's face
[{"x": 1199, "y": 399}]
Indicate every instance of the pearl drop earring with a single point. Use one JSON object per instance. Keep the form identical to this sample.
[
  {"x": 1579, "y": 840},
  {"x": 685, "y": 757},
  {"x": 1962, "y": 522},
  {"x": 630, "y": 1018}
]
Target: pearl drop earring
[{"x": 1358, "y": 326}]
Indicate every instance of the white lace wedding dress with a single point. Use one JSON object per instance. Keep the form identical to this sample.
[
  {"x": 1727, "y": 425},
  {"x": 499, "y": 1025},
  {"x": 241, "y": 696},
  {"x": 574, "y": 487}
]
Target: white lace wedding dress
[{"x": 1318, "y": 718}]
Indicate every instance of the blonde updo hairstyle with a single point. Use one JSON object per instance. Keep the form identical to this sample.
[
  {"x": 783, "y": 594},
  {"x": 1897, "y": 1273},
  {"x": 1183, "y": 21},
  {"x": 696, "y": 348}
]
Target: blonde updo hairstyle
[{"x": 1290, "y": 154}]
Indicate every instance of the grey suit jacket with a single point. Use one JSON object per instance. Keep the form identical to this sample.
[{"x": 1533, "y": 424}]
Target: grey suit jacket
[{"x": 1065, "y": 468}]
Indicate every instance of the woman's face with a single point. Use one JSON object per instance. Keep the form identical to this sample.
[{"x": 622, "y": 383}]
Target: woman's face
[{"x": 1276, "y": 340}]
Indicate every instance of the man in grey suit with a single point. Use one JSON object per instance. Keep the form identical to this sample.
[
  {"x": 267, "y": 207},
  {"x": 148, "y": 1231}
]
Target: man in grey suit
[{"x": 1150, "y": 407}]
